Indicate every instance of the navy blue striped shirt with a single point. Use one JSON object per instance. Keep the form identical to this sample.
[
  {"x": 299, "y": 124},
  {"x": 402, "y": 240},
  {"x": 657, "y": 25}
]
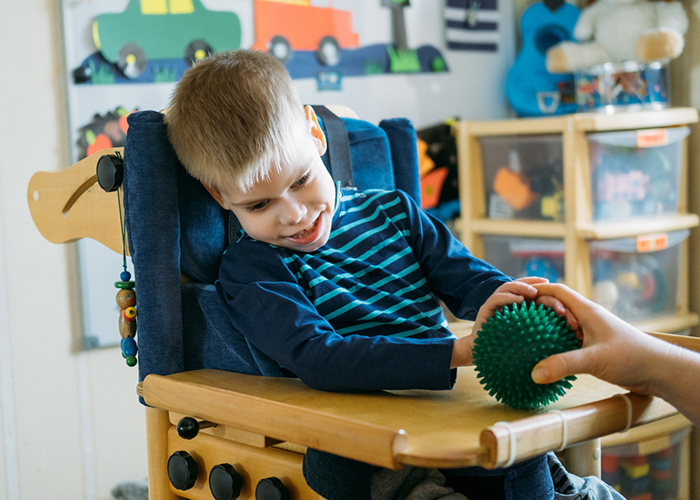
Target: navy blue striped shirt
[{"x": 363, "y": 311}]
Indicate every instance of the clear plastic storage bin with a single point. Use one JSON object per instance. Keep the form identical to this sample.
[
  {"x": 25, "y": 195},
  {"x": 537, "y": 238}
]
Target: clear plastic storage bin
[
  {"x": 628, "y": 86},
  {"x": 523, "y": 176},
  {"x": 637, "y": 278},
  {"x": 635, "y": 173},
  {"x": 520, "y": 256},
  {"x": 646, "y": 470}
]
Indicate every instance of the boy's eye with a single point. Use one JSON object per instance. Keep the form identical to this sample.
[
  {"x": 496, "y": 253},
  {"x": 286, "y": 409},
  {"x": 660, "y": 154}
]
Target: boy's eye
[
  {"x": 302, "y": 180},
  {"x": 257, "y": 207}
]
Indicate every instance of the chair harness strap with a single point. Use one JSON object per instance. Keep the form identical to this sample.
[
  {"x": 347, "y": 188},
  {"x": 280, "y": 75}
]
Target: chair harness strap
[{"x": 338, "y": 146}]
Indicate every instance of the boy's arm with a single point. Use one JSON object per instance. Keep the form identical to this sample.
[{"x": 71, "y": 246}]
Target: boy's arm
[
  {"x": 471, "y": 288},
  {"x": 275, "y": 315},
  {"x": 460, "y": 280}
]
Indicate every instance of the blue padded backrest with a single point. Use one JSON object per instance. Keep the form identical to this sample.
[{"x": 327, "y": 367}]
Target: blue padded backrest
[{"x": 175, "y": 226}]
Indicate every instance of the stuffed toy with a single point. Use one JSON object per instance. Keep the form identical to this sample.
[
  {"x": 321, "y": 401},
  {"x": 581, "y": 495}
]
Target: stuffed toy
[{"x": 616, "y": 31}]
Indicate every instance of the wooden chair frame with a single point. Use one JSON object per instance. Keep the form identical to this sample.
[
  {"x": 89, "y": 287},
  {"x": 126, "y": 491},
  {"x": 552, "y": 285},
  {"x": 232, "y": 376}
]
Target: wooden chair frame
[{"x": 262, "y": 425}]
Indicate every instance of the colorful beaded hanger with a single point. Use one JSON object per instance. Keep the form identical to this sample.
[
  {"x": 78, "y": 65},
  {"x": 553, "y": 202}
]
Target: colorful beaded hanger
[{"x": 110, "y": 170}]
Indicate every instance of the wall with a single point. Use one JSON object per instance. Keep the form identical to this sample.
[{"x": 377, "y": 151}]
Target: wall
[{"x": 71, "y": 426}]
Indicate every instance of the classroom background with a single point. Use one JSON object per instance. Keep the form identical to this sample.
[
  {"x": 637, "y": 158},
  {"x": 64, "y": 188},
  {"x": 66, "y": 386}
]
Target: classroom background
[{"x": 71, "y": 426}]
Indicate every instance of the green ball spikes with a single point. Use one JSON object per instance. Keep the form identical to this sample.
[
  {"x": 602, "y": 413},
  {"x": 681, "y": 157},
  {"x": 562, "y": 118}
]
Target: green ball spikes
[{"x": 511, "y": 343}]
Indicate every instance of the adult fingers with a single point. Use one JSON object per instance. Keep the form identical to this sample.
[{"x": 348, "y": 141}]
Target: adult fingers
[
  {"x": 572, "y": 300},
  {"x": 560, "y": 309},
  {"x": 532, "y": 280}
]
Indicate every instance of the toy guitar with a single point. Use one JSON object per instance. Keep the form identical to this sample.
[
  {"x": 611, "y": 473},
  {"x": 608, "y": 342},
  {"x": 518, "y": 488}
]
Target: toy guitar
[{"x": 530, "y": 88}]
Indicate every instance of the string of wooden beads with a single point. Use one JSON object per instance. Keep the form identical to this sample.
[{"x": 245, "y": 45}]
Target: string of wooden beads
[
  {"x": 110, "y": 174},
  {"x": 126, "y": 300}
]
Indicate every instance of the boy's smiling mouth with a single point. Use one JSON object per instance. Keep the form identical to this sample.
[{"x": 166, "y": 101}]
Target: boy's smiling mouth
[{"x": 307, "y": 234}]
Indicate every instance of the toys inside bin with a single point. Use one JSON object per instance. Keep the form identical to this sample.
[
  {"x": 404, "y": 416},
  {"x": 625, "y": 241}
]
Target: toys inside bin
[
  {"x": 637, "y": 278},
  {"x": 625, "y": 86},
  {"x": 635, "y": 173},
  {"x": 650, "y": 476},
  {"x": 520, "y": 257},
  {"x": 523, "y": 177}
]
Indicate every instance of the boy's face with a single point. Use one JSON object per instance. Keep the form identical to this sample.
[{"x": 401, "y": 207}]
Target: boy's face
[{"x": 293, "y": 208}]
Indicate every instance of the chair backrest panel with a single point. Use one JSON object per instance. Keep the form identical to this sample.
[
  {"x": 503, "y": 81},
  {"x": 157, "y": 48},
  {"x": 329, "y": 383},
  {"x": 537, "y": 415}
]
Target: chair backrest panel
[{"x": 175, "y": 227}]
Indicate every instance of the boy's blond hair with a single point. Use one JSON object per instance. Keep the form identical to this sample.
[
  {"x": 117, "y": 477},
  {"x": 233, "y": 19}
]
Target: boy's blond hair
[{"x": 234, "y": 117}]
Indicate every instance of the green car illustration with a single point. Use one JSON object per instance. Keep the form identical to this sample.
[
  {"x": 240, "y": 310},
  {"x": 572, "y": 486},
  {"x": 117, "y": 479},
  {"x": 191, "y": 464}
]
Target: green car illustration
[{"x": 163, "y": 29}]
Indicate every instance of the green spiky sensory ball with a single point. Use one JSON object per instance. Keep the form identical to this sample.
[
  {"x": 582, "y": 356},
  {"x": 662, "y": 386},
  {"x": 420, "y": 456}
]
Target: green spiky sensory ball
[{"x": 511, "y": 343}]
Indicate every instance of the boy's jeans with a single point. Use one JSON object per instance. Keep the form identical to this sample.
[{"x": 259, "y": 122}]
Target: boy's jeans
[{"x": 540, "y": 478}]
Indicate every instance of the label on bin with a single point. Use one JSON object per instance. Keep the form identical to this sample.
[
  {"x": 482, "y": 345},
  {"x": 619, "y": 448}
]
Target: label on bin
[
  {"x": 651, "y": 138},
  {"x": 652, "y": 242}
]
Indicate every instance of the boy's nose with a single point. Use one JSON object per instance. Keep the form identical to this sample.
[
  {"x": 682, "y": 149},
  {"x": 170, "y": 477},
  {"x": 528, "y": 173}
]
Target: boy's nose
[{"x": 292, "y": 212}]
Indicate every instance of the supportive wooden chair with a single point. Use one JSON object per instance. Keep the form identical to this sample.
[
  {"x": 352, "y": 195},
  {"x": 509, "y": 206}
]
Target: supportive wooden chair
[{"x": 215, "y": 426}]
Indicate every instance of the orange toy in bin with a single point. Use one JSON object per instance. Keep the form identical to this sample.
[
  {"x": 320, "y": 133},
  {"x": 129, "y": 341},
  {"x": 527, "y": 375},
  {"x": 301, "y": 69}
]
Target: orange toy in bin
[{"x": 513, "y": 188}]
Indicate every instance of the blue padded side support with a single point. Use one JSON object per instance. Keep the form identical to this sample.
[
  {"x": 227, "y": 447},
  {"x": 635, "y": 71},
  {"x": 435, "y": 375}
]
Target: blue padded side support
[
  {"x": 203, "y": 225},
  {"x": 151, "y": 208},
  {"x": 211, "y": 340},
  {"x": 404, "y": 151}
]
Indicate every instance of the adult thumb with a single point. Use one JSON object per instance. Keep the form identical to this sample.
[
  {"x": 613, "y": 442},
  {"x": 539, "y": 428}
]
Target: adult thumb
[{"x": 558, "y": 366}]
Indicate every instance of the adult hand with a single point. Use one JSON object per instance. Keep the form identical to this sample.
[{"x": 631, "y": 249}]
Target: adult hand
[{"x": 612, "y": 349}]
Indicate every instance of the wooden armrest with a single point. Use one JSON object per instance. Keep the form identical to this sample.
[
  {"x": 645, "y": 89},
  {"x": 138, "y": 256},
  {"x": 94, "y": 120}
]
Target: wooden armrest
[
  {"x": 552, "y": 430},
  {"x": 393, "y": 428}
]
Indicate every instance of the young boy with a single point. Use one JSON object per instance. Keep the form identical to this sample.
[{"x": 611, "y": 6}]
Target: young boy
[{"x": 339, "y": 288}]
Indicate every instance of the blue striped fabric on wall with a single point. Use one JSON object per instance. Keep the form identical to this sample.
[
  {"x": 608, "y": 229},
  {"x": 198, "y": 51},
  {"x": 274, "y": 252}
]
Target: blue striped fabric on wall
[{"x": 472, "y": 25}]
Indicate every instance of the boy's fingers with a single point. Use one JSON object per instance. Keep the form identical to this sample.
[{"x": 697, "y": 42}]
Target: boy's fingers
[
  {"x": 507, "y": 298},
  {"x": 519, "y": 288},
  {"x": 560, "y": 309}
]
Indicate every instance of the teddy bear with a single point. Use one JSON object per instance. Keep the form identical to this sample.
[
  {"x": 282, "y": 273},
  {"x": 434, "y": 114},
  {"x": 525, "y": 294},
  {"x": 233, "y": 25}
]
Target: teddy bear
[{"x": 619, "y": 31}]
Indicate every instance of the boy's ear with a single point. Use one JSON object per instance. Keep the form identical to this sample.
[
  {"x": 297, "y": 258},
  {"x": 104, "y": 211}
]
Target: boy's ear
[
  {"x": 316, "y": 132},
  {"x": 216, "y": 195}
]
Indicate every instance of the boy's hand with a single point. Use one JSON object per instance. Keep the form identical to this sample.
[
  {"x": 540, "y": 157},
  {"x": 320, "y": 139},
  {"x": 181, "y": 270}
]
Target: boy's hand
[{"x": 506, "y": 294}]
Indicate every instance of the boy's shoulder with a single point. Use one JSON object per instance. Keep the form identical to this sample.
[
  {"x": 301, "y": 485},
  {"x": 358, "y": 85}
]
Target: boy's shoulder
[
  {"x": 363, "y": 203},
  {"x": 248, "y": 260},
  {"x": 369, "y": 197}
]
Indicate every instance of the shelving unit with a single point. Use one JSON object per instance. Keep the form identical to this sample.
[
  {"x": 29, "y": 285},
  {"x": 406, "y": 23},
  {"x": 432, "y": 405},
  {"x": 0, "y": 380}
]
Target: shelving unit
[
  {"x": 578, "y": 227},
  {"x": 658, "y": 454}
]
